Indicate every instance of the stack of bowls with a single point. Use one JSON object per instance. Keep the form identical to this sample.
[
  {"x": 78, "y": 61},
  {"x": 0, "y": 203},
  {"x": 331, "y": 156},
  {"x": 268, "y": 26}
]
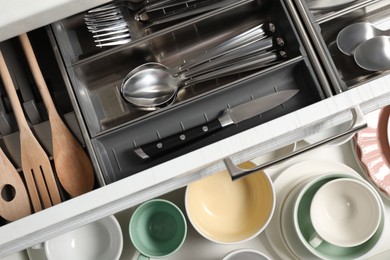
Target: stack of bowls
[{"x": 332, "y": 216}]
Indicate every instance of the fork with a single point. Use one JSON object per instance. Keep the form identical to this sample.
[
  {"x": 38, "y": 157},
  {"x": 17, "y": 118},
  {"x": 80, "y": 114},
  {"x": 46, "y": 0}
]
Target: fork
[
  {"x": 36, "y": 166},
  {"x": 109, "y": 23}
]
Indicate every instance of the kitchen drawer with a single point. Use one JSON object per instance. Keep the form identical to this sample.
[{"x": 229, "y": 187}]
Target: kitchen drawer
[
  {"x": 111, "y": 137},
  {"x": 117, "y": 128},
  {"x": 324, "y": 27}
]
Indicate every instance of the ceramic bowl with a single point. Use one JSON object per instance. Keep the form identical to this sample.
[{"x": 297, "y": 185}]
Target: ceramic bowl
[
  {"x": 99, "y": 240},
  {"x": 294, "y": 216},
  {"x": 226, "y": 211}
]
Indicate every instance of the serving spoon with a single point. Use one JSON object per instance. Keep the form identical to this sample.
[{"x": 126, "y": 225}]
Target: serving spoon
[
  {"x": 374, "y": 54},
  {"x": 73, "y": 166},
  {"x": 17, "y": 204},
  {"x": 350, "y": 37},
  {"x": 153, "y": 85}
]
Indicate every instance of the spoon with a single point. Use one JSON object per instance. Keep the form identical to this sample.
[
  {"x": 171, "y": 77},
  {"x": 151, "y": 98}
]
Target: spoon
[
  {"x": 374, "y": 54},
  {"x": 351, "y": 36},
  {"x": 153, "y": 85},
  {"x": 17, "y": 204},
  {"x": 327, "y": 4},
  {"x": 73, "y": 167}
]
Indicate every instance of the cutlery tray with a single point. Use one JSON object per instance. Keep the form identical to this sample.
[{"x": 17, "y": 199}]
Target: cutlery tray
[
  {"x": 116, "y": 128},
  {"x": 31, "y": 101},
  {"x": 325, "y": 26}
]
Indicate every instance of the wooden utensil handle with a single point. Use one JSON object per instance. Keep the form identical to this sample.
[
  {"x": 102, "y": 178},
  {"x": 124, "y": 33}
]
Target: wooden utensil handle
[
  {"x": 12, "y": 95},
  {"x": 36, "y": 72}
]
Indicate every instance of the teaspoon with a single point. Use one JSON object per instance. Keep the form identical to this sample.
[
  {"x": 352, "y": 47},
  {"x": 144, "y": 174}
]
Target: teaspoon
[
  {"x": 351, "y": 36},
  {"x": 374, "y": 54}
]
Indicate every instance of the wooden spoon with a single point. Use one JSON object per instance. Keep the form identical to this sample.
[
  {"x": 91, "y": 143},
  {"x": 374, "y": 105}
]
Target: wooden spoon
[
  {"x": 73, "y": 166},
  {"x": 17, "y": 206},
  {"x": 35, "y": 162}
]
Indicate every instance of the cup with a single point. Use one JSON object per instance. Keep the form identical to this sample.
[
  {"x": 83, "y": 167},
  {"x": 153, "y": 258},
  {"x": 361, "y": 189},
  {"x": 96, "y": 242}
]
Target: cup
[
  {"x": 304, "y": 231},
  {"x": 229, "y": 212},
  {"x": 157, "y": 229},
  {"x": 344, "y": 212},
  {"x": 99, "y": 240},
  {"x": 246, "y": 254}
]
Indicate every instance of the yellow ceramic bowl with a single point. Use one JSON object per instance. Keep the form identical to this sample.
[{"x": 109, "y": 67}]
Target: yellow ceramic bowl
[{"x": 226, "y": 211}]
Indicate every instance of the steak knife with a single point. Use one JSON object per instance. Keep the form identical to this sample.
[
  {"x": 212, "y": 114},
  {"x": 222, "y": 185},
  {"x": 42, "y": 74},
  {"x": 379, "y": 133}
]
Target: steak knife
[{"x": 229, "y": 116}]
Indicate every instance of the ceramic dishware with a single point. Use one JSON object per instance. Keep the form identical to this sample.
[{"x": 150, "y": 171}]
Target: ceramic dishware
[
  {"x": 302, "y": 228},
  {"x": 288, "y": 228},
  {"x": 373, "y": 150},
  {"x": 344, "y": 212},
  {"x": 99, "y": 240},
  {"x": 246, "y": 254},
  {"x": 228, "y": 212},
  {"x": 157, "y": 229}
]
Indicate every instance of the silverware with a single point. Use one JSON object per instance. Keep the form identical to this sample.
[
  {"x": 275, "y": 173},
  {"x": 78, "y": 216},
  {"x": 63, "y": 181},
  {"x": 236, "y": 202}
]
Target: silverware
[
  {"x": 110, "y": 23},
  {"x": 373, "y": 54},
  {"x": 228, "y": 117},
  {"x": 352, "y": 35},
  {"x": 153, "y": 85}
]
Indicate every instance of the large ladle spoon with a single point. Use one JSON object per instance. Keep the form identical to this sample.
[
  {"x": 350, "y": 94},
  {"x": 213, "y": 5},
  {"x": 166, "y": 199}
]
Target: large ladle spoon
[
  {"x": 374, "y": 54},
  {"x": 153, "y": 85},
  {"x": 349, "y": 38}
]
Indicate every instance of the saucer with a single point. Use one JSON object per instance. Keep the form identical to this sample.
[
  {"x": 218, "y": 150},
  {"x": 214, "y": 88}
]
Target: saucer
[
  {"x": 283, "y": 184},
  {"x": 372, "y": 149}
]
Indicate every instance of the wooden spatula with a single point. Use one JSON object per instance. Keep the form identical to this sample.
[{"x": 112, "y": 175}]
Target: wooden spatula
[
  {"x": 35, "y": 162},
  {"x": 73, "y": 166},
  {"x": 18, "y": 205}
]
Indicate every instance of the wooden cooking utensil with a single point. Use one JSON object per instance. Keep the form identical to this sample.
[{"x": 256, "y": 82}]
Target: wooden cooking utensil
[
  {"x": 35, "y": 162},
  {"x": 73, "y": 166},
  {"x": 18, "y": 206}
]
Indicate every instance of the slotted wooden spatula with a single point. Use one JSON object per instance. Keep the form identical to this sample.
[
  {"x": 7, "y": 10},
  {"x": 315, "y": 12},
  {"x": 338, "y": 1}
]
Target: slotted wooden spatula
[
  {"x": 73, "y": 166},
  {"x": 18, "y": 205},
  {"x": 35, "y": 162}
]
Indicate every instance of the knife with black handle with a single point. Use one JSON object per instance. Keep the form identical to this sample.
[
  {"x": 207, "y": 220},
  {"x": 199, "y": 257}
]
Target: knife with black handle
[{"x": 228, "y": 117}]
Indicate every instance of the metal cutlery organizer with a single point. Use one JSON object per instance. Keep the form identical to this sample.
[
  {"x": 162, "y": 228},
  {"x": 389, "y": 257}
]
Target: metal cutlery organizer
[
  {"x": 116, "y": 128},
  {"x": 324, "y": 27},
  {"x": 86, "y": 79}
]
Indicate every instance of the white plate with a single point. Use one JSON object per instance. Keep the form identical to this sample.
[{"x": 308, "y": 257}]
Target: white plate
[
  {"x": 331, "y": 132},
  {"x": 283, "y": 184}
]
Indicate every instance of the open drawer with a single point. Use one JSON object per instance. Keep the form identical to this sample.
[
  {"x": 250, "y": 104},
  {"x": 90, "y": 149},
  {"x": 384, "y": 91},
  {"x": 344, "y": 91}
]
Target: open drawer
[
  {"x": 111, "y": 129},
  {"x": 117, "y": 128}
]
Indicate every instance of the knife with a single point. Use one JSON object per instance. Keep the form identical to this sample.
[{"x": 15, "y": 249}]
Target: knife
[{"x": 229, "y": 116}]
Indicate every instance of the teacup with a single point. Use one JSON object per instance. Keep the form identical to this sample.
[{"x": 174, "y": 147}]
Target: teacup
[
  {"x": 246, "y": 254},
  {"x": 226, "y": 211},
  {"x": 157, "y": 229},
  {"x": 304, "y": 230},
  {"x": 99, "y": 240},
  {"x": 344, "y": 212}
]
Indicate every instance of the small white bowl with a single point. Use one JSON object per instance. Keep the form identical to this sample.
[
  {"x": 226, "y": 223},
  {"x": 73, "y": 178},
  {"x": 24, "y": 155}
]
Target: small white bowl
[{"x": 99, "y": 240}]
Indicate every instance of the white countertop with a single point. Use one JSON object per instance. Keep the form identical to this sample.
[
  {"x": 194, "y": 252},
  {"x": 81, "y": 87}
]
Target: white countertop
[{"x": 21, "y": 16}]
